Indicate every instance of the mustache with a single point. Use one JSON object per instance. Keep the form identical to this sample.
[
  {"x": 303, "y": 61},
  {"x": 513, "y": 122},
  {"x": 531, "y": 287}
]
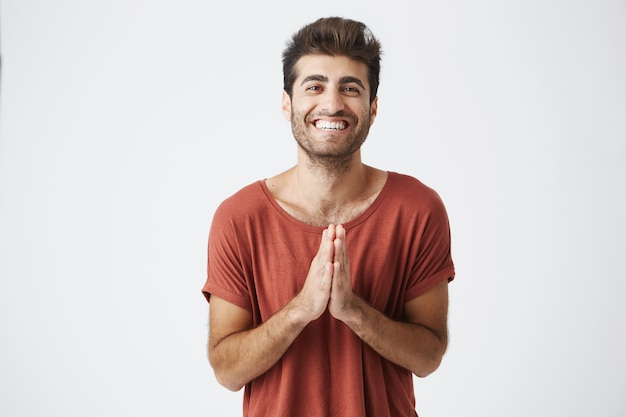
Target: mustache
[{"x": 339, "y": 114}]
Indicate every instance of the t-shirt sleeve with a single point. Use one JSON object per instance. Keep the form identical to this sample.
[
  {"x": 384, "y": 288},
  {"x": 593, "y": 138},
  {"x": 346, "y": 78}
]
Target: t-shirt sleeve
[
  {"x": 226, "y": 277},
  {"x": 433, "y": 262}
]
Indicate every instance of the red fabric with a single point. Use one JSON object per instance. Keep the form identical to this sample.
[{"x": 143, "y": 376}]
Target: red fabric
[{"x": 258, "y": 259}]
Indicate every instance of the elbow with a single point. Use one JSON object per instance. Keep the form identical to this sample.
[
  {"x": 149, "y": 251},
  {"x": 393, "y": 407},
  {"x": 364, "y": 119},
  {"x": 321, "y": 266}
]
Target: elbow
[
  {"x": 429, "y": 363},
  {"x": 228, "y": 383},
  {"x": 224, "y": 376},
  {"x": 427, "y": 367}
]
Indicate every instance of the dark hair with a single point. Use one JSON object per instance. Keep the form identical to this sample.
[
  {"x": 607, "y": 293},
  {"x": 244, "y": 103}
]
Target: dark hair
[{"x": 333, "y": 36}]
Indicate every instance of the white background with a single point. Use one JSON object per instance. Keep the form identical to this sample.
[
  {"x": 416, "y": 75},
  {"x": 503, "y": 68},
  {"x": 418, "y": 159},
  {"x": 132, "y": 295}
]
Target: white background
[{"x": 125, "y": 123}]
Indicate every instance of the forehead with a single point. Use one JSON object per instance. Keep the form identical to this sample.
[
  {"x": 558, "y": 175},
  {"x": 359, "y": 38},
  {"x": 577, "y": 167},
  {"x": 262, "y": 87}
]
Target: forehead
[{"x": 332, "y": 67}]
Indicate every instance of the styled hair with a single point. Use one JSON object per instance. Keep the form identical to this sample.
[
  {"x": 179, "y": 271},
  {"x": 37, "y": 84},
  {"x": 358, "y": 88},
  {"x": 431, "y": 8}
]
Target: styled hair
[{"x": 334, "y": 36}]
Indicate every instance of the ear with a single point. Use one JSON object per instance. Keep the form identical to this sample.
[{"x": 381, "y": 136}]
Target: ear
[
  {"x": 373, "y": 110},
  {"x": 286, "y": 106}
]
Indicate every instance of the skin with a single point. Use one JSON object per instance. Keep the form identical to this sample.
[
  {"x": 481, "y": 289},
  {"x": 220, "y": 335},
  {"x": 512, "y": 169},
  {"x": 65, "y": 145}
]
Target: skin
[{"x": 339, "y": 188}]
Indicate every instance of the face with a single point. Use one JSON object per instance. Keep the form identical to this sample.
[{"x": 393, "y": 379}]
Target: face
[{"x": 329, "y": 109}]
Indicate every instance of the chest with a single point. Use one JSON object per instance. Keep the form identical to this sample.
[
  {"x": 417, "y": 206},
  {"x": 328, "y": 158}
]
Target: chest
[
  {"x": 380, "y": 266},
  {"x": 321, "y": 215}
]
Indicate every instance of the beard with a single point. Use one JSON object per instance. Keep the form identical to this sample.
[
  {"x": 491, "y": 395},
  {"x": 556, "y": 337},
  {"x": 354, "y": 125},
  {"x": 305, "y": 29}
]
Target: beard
[{"x": 326, "y": 151}]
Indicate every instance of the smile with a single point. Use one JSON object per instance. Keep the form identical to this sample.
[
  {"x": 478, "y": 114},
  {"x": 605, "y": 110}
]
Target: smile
[{"x": 328, "y": 125}]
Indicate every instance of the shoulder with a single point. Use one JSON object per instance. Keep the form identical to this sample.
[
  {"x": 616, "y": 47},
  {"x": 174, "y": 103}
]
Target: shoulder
[
  {"x": 406, "y": 189},
  {"x": 242, "y": 204},
  {"x": 251, "y": 193}
]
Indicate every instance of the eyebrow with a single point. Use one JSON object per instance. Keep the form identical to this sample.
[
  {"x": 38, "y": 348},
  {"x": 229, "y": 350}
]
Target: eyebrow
[
  {"x": 320, "y": 78},
  {"x": 324, "y": 79}
]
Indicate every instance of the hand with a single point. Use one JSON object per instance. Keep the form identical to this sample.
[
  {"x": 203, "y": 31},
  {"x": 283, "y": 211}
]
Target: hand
[
  {"x": 342, "y": 298},
  {"x": 313, "y": 299}
]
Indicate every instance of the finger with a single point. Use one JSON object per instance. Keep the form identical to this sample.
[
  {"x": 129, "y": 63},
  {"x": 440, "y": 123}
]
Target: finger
[
  {"x": 327, "y": 249},
  {"x": 340, "y": 232},
  {"x": 331, "y": 231},
  {"x": 327, "y": 277},
  {"x": 335, "y": 280},
  {"x": 340, "y": 245},
  {"x": 340, "y": 281}
]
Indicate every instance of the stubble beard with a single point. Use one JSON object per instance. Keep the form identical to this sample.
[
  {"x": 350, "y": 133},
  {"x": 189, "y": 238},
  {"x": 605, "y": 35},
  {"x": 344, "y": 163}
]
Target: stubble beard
[{"x": 335, "y": 160}]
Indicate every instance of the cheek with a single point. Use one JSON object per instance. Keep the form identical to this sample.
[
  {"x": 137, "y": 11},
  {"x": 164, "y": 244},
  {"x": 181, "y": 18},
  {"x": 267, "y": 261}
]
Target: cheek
[{"x": 299, "y": 113}]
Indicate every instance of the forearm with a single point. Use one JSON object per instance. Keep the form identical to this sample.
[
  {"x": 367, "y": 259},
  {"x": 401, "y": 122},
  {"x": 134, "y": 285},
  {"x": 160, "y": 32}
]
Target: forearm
[
  {"x": 239, "y": 353},
  {"x": 410, "y": 345},
  {"x": 240, "y": 357}
]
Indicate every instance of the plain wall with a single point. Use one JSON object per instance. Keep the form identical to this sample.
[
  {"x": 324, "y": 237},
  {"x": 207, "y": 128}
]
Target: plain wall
[{"x": 124, "y": 124}]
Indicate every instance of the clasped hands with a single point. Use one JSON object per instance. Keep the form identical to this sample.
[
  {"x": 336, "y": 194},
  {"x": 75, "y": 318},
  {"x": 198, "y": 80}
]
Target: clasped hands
[{"x": 328, "y": 283}]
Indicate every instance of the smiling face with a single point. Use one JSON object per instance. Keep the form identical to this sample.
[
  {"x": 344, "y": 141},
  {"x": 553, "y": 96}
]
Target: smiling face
[{"x": 329, "y": 109}]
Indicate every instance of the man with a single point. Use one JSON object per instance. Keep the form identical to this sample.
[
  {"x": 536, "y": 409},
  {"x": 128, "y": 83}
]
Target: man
[{"x": 327, "y": 283}]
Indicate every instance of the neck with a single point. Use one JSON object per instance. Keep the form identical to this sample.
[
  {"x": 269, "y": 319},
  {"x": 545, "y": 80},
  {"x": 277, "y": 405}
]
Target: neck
[
  {"x": 331, "y": 179},
  {"x": 322, "y": 194}
]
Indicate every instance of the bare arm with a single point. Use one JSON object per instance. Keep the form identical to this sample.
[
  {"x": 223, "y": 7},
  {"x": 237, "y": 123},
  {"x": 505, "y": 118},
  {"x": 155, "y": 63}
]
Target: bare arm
[
  {"x": 239, "y": 353},
  {"x": 417, "y": 344}
]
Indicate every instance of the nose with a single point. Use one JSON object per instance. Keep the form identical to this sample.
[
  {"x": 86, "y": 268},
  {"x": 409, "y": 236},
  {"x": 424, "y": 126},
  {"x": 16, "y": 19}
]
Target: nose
[{"x": 332, "y": 101}]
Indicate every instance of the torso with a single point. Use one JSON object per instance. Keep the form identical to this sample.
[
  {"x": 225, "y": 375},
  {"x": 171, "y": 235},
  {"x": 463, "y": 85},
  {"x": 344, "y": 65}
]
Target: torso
[{"x": 259, "y": 260}]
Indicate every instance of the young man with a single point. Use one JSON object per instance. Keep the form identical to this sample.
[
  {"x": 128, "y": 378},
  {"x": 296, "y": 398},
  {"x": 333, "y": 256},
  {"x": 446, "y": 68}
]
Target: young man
[{"x": 328, "y": 282}]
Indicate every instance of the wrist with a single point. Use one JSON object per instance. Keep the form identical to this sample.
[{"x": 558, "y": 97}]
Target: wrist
[
  {"x": 351, "y": 313},
  {"x": 297, "y": 314}
]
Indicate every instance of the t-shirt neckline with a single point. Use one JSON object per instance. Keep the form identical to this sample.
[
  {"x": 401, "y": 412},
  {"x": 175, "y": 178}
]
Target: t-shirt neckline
[{"x": 318, "y": 229}]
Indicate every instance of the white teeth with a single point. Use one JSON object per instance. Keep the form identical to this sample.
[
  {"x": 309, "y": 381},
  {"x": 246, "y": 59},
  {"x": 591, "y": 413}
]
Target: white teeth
[{"x": 326, "y": 125}]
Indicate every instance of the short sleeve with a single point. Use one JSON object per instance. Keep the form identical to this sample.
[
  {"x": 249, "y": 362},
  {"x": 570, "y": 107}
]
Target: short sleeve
[
  {"x": 433, "y": 262},
  {"x": 225, "y": 273}
]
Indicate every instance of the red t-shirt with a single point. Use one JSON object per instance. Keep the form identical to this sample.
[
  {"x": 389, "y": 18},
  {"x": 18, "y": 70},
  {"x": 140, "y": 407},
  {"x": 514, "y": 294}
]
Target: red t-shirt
[{"x": 258, "y": 259}]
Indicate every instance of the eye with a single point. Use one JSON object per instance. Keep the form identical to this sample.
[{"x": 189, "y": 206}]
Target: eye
[
  {"x": 351, "y": 91},
  {"x": 314, "y": 88}
]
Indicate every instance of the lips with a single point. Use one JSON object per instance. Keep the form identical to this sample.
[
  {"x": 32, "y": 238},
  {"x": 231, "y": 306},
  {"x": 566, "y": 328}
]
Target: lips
[{"x": 330, "y": 125}]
